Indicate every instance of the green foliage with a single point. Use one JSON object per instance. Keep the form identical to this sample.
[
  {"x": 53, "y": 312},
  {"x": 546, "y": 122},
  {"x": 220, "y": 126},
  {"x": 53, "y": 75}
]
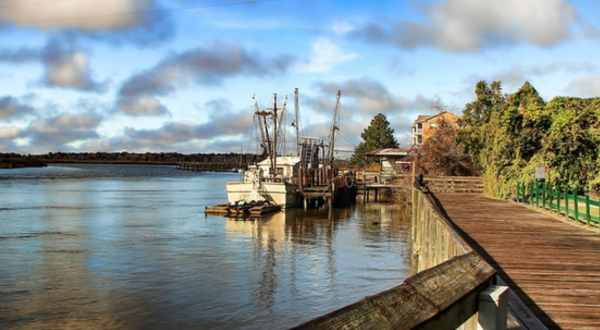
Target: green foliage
[
  {"x": 378, "y": 135},
  {"x": 508, "y": 136}
]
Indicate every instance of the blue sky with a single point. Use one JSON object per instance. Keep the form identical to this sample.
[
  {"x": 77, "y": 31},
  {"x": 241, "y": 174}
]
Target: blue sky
[{"x": 179, "y": 75}]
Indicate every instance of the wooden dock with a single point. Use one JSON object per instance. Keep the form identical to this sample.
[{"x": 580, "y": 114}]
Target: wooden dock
[{"x": 552, "y": 266}]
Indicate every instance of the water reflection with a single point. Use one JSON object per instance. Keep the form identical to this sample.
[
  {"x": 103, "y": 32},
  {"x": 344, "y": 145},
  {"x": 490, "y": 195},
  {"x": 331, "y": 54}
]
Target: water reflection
[
  {"x": 291, "y": 249},
  {"x": 139, "y": 253}
]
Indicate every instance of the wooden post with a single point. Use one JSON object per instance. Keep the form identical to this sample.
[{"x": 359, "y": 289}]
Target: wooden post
[
  {"x": 301, "y": 180},
  {"x": 493, "y": 308}
]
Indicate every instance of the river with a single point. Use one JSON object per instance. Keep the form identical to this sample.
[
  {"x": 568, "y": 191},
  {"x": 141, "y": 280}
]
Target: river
[{"x": 86, "y": 246}]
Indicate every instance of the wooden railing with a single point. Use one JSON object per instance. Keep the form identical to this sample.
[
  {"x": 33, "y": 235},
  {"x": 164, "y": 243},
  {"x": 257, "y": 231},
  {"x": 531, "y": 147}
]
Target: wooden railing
[
  {"x": 438, "y": 184},
  {"x": 554, "y": 198},
  {"x": 455, "y": 184}
]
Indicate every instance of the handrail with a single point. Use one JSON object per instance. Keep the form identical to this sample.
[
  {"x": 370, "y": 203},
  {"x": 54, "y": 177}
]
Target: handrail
[{"x": 553, "y": 198}]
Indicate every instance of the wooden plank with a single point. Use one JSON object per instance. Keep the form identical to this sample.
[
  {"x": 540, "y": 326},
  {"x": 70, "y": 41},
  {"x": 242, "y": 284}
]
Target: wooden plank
[{"x": 553, "y": 267}]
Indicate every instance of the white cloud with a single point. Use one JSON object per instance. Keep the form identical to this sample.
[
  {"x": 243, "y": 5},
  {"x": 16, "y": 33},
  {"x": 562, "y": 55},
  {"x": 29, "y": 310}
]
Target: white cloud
[
  {"x": 143, "y": 106},
  {"x": 9, "y": 132},
  {"x": 69, "y": 71},
  {"x": 11, "y": 107},
  {"x": 325, "y": 55},
  {"x": 83, "y": 14},
  {"x": 467, "y": 25},
  {"x": 470, "y": 24},
  {"x": 341, "y": 28},
  {"x": 585, "y": 87}
]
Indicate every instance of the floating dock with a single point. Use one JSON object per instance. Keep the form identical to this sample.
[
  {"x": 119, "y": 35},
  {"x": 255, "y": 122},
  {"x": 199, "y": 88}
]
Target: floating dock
[{"x": 240, "y": 208}]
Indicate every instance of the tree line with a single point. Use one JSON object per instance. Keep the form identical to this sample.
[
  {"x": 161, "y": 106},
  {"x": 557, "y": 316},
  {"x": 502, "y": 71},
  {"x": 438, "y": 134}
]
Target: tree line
[{"x": 235, "y": 159}]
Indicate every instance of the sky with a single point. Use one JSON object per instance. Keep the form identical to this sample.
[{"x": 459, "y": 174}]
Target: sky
[{"x": 184, "y": 75}]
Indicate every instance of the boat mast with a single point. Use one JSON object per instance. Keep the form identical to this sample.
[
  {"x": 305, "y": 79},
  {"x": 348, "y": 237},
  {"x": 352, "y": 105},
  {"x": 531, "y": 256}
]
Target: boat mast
[
  {"x": 296, "y": 124},
  {"x": 263, "y": 127},
  {"x": 334, "y": 126},
  {"x": 274, "y": 161}
]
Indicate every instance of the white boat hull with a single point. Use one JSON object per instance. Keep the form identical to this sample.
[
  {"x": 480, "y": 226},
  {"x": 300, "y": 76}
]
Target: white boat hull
[{"x": 283, "y": 194}]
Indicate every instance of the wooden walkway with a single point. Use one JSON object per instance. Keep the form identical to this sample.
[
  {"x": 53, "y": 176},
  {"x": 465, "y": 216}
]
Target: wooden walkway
[{"x": 554, "y": 267}]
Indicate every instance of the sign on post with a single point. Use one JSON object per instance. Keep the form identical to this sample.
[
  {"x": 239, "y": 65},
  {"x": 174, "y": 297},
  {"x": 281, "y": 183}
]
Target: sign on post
[{"x": 540, "y": 173}]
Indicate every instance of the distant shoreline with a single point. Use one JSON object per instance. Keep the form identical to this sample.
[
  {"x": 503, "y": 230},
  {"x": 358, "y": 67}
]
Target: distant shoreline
[
  {"x": 230, "y": 160},
  {"x": 9, "y": 163},
  {"x": 22, "y": 163},
  {"x": 120, "y": 162}
]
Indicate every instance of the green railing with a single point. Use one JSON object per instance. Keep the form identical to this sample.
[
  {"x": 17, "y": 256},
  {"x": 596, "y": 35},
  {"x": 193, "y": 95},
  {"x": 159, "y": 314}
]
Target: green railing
[{"x": 553, "y": 198}]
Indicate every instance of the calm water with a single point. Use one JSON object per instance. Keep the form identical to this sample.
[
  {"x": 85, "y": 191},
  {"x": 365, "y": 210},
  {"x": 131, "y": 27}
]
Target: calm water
[{"x": 129, "y": 247}]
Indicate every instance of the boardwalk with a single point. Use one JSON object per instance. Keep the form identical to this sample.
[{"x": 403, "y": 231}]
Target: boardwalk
[{"x": 552, "y": 266}]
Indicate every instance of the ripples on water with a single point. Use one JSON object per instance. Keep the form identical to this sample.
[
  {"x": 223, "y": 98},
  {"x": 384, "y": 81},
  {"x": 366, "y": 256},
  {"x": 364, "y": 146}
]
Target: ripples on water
[{"x": 129, "y": 247}]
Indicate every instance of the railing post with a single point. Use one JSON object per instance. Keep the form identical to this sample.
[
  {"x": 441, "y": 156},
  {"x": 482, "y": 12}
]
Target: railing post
[
  {"x": 537, "y": 194},
  {"x": 531, "y": 193},
  {"x": 544, "y": 195},
  {"x": 587, "y": 206},
  {"x": 493, "y": 303},
  {"x": 558, "y": 198},
  {"x": 518, "y": 191},
  {"x": 576, "y": 203},
  {"x": 567, "y": 203}
]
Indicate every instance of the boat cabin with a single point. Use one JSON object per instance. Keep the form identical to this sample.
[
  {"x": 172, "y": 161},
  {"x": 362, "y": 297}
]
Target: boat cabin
[{"x": 287, "y": 168}]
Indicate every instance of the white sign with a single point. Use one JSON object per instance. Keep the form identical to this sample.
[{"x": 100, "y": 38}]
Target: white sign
[{"x": 540, "y": 173}]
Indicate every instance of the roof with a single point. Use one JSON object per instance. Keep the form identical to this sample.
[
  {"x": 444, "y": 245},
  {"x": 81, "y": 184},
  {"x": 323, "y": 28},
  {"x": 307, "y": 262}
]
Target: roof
[
  {"x": 423, "y": 118},
  {"x": 398, "y": 152}
]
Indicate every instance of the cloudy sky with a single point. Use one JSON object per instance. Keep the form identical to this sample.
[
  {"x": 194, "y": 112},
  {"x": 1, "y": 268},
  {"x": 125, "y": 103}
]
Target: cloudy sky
[{"x": 180, "y": 75}]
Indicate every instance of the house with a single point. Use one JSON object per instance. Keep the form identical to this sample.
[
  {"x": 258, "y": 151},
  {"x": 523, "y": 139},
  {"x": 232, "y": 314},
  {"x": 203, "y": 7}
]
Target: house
[
  {"x": 425, "y": 125},
  {"x": 393, "y": 160}
]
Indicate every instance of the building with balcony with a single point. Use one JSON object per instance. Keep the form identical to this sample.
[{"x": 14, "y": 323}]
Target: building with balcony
[{"x": 425, "y": 125}]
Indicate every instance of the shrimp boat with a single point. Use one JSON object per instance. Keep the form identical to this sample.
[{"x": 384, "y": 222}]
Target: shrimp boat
[{"x": 290, "y": 181}]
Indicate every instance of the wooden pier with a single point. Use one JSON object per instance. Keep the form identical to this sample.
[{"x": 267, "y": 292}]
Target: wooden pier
[{"x": 552, "y": 266}]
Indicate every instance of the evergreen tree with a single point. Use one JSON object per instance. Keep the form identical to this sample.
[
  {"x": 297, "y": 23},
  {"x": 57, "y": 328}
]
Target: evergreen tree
[{"x": 378, "y": 135}]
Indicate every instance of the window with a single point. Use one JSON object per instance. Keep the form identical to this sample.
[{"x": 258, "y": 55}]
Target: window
[{"x": 433, "y": 125}]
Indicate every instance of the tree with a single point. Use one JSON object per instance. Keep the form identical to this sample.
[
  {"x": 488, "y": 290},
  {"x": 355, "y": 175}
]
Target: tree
[
  {"x": 508, "y": 136},
  {"x": 441, "y": 154},
  {"x": 378, "y": 135}
]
